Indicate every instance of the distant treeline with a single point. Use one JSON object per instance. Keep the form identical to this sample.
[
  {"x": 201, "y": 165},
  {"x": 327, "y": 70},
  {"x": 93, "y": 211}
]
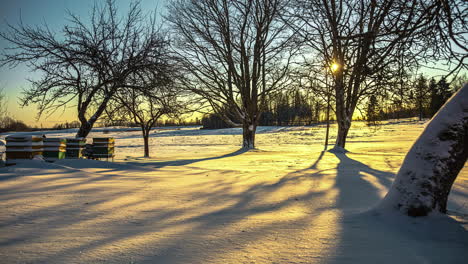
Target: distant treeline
[
  {"x": 421, "y": 98},
  {"x": 283, "y": 109},
  {"x": 418, "y": 98},
  {"x": 165, "y": 123},
  {"x": 10, "y": 124}
]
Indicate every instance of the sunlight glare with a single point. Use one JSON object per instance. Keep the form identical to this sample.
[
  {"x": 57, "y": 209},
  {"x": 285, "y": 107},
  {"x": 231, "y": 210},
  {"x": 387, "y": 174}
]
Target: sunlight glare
[{"x": 334, "y": 67}]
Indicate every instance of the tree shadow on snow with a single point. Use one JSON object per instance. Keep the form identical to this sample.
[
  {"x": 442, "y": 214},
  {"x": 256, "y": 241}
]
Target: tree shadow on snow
[
  {"x": 226, "y": 205},
  {"x": 272, "y": 219},
  {"x": 370, "y": 237},
  {"x": 359, "y": 184},
  {"x": 161, "y": 164}
]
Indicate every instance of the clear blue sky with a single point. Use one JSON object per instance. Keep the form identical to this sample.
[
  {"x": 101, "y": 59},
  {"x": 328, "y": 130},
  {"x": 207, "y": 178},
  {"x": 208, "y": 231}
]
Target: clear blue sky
[{"x": 52, "y": 12}]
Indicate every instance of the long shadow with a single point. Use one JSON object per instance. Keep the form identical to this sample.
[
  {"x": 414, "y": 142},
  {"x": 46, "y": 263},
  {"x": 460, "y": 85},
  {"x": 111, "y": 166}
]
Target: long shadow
[
  {"x": 161, "y": 164},
  {"x": 317, "y": 161},
  {"x": 49, "y": 220},
  {"x": 215, "y": 222},
  {"x": 351, "y": 174},
  {"x": 9, "y": 177},
  {"x": 367, "y": 236}
]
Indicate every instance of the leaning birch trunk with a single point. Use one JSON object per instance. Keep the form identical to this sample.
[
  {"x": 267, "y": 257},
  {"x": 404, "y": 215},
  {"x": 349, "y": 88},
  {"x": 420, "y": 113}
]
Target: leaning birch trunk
[{"x": 423, "y": 182}]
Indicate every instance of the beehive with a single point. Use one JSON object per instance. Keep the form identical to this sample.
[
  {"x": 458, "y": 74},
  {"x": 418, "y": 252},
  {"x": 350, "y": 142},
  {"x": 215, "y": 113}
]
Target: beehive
[
  {"x": 54, "y": 148},
  {"x": 23, "y": 147},
  {"x": 75, "y": 147},
  {"x": 2, "y": 153},
  {"x": 103, "y": 147}
]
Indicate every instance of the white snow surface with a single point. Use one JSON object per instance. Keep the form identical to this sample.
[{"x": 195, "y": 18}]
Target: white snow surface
[
  {"x": 423, "y": 159},
  {"x": 200, "y": 199}
]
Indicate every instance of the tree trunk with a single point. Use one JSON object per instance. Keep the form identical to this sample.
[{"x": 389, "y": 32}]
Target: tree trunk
[
  {"x": 423, "y": 182},
  {"x": 420, "y": 111},
  {"x": 146, "y": 143},
  {"x": 342, "y": 116},
  {"x": 248, "y": 135},
  {"x": 327, "y": 132},
  {"x": 84, "y": 129},
  {"x": 87, "y": 124},
  {"x": 343, "y": 129}
]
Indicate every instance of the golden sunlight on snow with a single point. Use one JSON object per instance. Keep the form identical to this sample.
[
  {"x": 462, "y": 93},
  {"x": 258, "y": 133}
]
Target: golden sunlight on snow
[{"x": 201, "y": 200}]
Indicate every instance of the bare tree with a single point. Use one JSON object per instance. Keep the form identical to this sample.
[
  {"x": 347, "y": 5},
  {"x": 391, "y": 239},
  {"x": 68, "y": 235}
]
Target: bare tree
[
  {"x": 234, "y": 54},
  {"x": 316, "y": 80},
  {"x": 145, "y": 107},
  {"x": 371, "y": 41},
  {"x": 3, "y": 105},
  {"x": 88, "y": 63},
  {"x": 3, "y": 110},
  {"x": 431, "y": 166}
]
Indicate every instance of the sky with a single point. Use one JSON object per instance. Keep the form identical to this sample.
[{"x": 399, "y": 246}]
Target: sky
[{"x": 53, "y": 12}]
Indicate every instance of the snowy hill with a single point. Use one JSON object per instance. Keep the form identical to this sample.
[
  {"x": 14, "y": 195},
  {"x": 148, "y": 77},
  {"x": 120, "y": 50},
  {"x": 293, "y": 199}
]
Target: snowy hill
[{"x": 202, "y": 200}]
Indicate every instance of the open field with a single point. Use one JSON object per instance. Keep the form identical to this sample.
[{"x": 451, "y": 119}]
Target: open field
[{"x": 200, "y": 199}]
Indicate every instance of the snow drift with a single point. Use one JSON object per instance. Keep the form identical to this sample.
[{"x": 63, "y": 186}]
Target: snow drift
[{"x": 423, "y": 182}]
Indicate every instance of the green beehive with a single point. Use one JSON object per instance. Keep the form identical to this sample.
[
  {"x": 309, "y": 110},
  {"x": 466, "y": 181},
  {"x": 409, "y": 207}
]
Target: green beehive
[
  {"x": 103, "y": 147},
  {"x": 75, "y": 147},
  {"x": 55, "y": 148}
]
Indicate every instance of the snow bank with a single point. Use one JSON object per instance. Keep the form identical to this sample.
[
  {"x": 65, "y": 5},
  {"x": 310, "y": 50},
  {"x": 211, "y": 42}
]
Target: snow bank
[
  {"x": 201, "y": 200},
  {"x": 423, "y": 182}
]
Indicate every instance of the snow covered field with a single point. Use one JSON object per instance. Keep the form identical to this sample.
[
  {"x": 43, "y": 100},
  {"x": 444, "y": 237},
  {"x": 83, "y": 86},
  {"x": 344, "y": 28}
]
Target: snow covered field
[{"x": 202, "y": 200}]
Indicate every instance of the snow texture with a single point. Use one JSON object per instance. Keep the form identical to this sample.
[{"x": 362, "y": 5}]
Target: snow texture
[
  {"x": 426, "y": 168},
  {"x": 202, "y": 199}
]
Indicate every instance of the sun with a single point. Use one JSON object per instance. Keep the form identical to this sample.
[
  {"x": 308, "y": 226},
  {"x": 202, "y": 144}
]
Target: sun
[{"x": 334, "y": 67}]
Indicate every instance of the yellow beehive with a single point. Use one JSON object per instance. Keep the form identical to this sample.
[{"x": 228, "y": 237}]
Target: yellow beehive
[{"x": 23, "y": 147}]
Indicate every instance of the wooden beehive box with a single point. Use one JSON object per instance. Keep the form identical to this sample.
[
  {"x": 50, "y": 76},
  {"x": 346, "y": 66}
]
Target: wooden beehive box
[
  {"x": 75, "y": 147},
  {"x": 23, "y": 147},
  {"x": 55, "y": 148},
  {"x": 103, "y": 147}
]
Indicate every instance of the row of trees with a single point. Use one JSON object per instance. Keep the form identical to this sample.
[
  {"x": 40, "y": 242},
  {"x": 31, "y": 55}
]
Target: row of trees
[
  {"x": 421, "y": 97},
  {"x": 282, "y": 109},
  {"x": 67, "y": 125},
  {"x": 236, "y": 53},
  {"x": 234, "y": 56},
  {"x": 7, "y": 123},
  {"x": 374, "y": 43},
  {"x": 96, "y": 65}
]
